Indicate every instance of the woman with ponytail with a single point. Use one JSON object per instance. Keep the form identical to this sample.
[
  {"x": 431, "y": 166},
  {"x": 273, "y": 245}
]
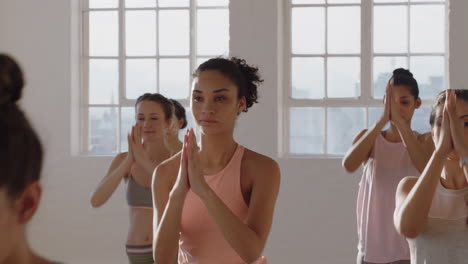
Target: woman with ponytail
[{"x": 215, "y": 199}]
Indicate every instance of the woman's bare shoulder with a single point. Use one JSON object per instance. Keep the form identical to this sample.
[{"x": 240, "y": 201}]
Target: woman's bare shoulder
[
  {"x": 255, "y": 162},
  {"x": 169, "y": 167}
]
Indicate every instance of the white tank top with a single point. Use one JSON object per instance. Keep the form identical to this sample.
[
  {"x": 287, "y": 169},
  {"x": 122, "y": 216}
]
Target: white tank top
[{"x": 445, "y": 239}]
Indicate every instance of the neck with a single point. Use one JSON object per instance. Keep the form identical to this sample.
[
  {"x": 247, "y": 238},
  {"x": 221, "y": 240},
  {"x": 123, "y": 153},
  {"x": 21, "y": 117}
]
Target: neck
[
  {"x": 22, "y": 254},
  {"x": 157, "y": 150},
  {"x": 173, "y": 143},
  {"x": 453, "y": 176},
  {"x": 393, "y": 134},
  {"x": 216, "y": 150}
]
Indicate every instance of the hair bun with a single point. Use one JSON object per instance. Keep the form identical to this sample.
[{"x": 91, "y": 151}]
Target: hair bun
[
  {"x": 11, "y": 80},
  {"x": 401, "y": 71}
]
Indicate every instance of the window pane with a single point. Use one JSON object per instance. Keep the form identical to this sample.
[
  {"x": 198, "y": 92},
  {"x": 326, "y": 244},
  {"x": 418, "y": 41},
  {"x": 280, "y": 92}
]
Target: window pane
[
  {"x": 102, "y": 130},
  {"x": 344, "y": 1},
  {"x": 103, "y": 81},
  {"x": 140, "y": 33},
  {"x": 213, "y": 2},
  {"x": 174, "y": 78},
  {"x": 373, "y": 115},
  {"x": 429, "y": 72},
  {"x": 439, "y": 1},
  {"x": 308, "y": 30},
  {"x": 173, "y": 3},
  {"x": 174, "y": 35},
  {"x": 127, "y": 120},
  {"x": 306, "y": 130},
  {"x": 140, "y": 77},
  {"x": 390, "y": 29},
  {"x": 390, "y": 1},
  {"x": 420, "y": 121},
  {"x": 310, "y": 2},
  {"x": 344, "y": 26},
  {"x": 427, "y": 28},
  {"x": 213, "y": 32},
  {"x": 343, "y": 77},
  {"x": 343, "y": 125},
  {"x": 140, "y": 3},
  {"x": 103, "y": 3},
  {"x": 307, "y": 78},
  {"x": 201, "y": 60},
  {"x": 103, "y": 33},
  {"x": 383, "y": 70}
]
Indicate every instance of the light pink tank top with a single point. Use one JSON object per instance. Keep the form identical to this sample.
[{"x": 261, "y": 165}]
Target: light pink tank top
[
  {"x": 379, "y": 241},
  {"x": 201, "y": 240}
]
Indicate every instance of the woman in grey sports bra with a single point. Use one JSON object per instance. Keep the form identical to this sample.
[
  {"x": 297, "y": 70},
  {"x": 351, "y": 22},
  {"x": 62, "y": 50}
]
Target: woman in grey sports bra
[
  {"x": 147, "y": 149},
  {"x": 432, "y": 211}
]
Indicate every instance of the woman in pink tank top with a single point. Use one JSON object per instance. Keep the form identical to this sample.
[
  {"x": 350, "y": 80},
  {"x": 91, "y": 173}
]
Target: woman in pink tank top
[
  {"x": 388, "y": 156},
  {"x": 215, "y": 201},
  {"x": 432, "y": 210}
]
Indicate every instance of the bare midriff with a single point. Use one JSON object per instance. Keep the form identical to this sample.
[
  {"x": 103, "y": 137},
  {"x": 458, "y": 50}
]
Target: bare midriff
[{"x": 140, "y": 231}]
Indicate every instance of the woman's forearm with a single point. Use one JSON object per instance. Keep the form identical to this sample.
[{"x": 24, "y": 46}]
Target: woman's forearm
[
  {"x": 245, "y": 241},
  {"x": 166, "y": 239},
  {"x": 108, "y": 184},
  {"x": 418, "y": 154},
  {"x": 360, "y": 150}
]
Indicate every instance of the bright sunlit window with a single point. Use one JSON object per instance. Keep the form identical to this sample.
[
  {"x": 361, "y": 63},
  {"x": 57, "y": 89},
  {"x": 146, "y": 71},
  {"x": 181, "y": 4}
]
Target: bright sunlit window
[
  {"x": 131, "y": 47},
  {"x": 339, "y": 57}
]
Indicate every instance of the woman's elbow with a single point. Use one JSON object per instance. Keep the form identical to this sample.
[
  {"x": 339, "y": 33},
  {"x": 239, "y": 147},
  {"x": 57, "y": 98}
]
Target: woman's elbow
[
  {"x": 95, "y": 203},
  {"x": 348, "y": 166},
  {"x": 408, "y": 232},
  {"x": 254, "y": 255},
  {"x": 406, "y": 228}
]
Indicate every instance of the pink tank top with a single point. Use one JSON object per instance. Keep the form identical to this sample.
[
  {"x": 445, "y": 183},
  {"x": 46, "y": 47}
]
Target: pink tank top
[
  {"x": 379, "y": 242},
  {"x": 201, "y": 240}
]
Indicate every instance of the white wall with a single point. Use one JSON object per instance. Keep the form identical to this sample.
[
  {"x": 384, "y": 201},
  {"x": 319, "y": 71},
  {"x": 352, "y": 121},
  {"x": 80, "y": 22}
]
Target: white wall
[{"x": 315, "y": 215}]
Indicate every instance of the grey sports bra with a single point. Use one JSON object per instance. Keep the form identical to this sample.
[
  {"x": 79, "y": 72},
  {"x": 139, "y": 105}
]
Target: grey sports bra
[{"x": 137, "y": 195}]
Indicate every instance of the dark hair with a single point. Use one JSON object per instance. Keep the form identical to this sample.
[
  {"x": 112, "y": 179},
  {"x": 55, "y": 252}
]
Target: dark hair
[
  {"x": 179, "y": 112},
  {"x": 161, "y": 100},
  {"x": 245, "y": 77},
  {"x": 20, "y": 148},
  {"x": 461, "y": 94},
  {"x": 405, "y": 77}
]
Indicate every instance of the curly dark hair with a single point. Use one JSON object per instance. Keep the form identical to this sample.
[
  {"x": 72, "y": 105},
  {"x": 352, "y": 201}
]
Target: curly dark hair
[{"x": 245, "y": 77}]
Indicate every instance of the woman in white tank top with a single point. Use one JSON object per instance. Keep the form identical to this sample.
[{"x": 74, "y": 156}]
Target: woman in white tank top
[{"x": 432, "y": 211}]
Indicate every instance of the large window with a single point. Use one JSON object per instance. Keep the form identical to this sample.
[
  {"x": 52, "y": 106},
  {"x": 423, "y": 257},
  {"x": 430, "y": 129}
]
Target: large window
[
  {"x": 131, "y": 47},
  {"x": 340, "y": 55}
]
